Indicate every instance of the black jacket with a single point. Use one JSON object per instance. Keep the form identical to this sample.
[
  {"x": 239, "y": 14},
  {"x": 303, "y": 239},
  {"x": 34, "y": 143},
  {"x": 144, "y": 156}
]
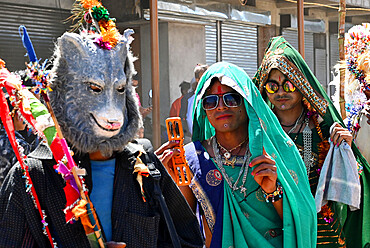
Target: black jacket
[{"x": 137, "y": 223}]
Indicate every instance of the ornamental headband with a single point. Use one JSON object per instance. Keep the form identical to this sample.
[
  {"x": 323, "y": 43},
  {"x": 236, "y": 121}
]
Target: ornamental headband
[{"x": 277, "y": 61}]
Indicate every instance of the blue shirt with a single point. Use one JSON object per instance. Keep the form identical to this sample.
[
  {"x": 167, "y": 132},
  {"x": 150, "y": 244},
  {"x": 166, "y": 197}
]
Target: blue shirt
[{"x": 102, "y": 193}]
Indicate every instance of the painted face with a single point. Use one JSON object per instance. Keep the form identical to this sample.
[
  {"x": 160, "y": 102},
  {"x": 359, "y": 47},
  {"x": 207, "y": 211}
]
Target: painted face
[
  {"x": 224, "y": 118},
  {"x": 281, "y": 99}
]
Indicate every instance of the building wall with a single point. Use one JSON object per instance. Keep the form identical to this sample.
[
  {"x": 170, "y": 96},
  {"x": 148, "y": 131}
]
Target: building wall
[
  {"x": 186, "y": 48},
  {"x": 64, "y": 4},
  {"x": 145, "y": 59},
  {"x": 181, "y": 47}
]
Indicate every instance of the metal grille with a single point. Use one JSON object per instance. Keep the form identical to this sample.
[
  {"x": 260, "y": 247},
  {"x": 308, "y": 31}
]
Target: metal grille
[
  {"x": 44, "y": 25},
  {"x": 211, "y": 44},
  {"x": 239, "y": 46},
  {"x": 320, "y": 66},
  {"x": 292, "y": 37},
  {"x": 334, "y": 51}
]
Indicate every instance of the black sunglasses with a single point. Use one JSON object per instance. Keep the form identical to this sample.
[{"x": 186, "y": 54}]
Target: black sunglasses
[{"x": 231, "y": 100}]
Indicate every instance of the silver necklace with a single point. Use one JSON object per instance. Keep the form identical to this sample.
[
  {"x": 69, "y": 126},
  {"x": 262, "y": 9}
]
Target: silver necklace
[
  {"x": 296, "y": 122},
  {"x": 307, "y": 146},
  {"x": 244, "y": 168}
]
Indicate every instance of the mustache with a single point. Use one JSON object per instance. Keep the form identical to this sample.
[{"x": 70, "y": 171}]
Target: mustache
[{"x": 277, "y": 97}]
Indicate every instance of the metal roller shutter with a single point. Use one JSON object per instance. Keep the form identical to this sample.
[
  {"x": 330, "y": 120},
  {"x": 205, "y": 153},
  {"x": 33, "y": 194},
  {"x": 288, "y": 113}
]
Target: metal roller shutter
[
  {"x": 292, "y": 37},
  {"x": 43, "y": 25},
  {"x": 211, "y": 44},
  {"x": 334, "y": 51},
  {"x": 239, "y": 46},
  {"x": 320, "y": 66}
]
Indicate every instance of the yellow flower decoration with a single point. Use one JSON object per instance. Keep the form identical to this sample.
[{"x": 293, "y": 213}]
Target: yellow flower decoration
[{"x": 109, "y": 32}]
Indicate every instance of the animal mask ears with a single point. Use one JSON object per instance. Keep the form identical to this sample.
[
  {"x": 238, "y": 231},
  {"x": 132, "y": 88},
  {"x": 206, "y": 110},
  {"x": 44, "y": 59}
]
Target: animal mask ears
[
  {"x": 71, "y": 47},
  {"x": 124, "y": 45}
]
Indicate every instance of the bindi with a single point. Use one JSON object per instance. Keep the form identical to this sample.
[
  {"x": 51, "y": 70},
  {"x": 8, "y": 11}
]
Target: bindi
[{"x": 219, "y": 90}]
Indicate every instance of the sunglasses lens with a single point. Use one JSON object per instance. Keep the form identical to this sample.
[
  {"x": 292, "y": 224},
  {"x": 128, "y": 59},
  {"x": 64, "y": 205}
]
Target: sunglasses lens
[
  {"x": 210, "y": 102},
  {"x": 288, "y": 87},
  {"x": 232, "y": 100},
  {"x": 271, "y": 87}
]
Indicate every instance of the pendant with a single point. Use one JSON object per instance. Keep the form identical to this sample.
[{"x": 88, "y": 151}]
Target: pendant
[
  {"x": 244, "y": 191},
  {"x": 230, "y": 162},
  {"x": 227, "y": 155}
]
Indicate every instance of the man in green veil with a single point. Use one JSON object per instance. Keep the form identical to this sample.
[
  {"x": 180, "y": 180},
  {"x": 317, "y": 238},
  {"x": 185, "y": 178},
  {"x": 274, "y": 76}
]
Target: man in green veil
[
  {"x": 249, "y": 181},
  {"x": 306, "y": 114}
]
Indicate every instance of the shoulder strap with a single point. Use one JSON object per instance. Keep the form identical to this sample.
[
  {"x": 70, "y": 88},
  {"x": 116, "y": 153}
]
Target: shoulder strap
[{"x": 157, "y": 195}]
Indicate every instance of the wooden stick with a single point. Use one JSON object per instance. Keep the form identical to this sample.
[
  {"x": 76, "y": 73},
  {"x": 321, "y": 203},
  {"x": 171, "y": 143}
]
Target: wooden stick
[{"x": 342, "y": 71}]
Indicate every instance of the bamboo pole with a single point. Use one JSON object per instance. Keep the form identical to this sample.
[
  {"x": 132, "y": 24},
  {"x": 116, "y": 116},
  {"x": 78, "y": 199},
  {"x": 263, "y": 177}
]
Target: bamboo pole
[
  {"x": 342, "y": 71},
  {"x": 300, "y": 13},
  {"x": 154, "y": 45}
]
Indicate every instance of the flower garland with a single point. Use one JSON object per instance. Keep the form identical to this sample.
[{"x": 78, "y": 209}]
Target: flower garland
[
  {"x": 99, "y": 25},
  {"x": 357, "y": 49},
  {"x": 39, "y": 76}
]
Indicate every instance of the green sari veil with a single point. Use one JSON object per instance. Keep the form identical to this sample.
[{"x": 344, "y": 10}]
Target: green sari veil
[
  {"x": 281, "y": 55},
  {"x": 299, "y": 215}
]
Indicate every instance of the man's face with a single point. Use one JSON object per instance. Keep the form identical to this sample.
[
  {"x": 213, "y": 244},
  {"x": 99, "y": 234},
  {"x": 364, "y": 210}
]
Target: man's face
[
  {"x": 224, "y": 118},
  {"x": 18, "y": 123},
  {"x": 282, "y": 100}
]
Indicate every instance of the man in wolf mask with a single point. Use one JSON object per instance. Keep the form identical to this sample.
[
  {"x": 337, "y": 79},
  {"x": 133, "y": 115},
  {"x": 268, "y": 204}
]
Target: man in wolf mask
[{"x": 94, "y": 102}]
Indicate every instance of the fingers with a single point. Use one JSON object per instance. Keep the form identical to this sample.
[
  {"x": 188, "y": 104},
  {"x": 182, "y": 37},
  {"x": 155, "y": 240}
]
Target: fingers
[
  {"x": 165, "y": 146},
  {"x": 262, "y": 159},
  {"x": 264, "y": 168},
  {"x": 265, "y": 174},
  {"x": 339, "y": 134}
]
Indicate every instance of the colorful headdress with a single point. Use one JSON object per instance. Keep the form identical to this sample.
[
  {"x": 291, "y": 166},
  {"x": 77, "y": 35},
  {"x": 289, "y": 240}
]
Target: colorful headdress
[
  {"x": 357, "y": 55},
  {"x": 94, "y": 18},
  {"x": 357, "y": 78}
]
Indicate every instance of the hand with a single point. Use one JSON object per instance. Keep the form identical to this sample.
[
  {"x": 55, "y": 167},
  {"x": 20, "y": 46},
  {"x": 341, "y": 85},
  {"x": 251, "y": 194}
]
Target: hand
[
  {"x": 265, "y": 173},
  {"x": 339, "y": 134},
  {"x": 145, "y": 111},
  {"x": 165, "y": 153}
]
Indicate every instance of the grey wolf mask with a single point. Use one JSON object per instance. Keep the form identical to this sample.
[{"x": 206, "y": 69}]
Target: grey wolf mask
[{"x": 92, "y": 94}]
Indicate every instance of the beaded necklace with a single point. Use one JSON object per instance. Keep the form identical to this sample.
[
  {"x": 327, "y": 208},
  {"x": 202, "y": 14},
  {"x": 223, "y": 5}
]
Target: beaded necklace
[{"x": 244, "y": 168}]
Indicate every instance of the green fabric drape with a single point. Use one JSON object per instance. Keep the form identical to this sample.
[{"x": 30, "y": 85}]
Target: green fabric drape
[
  {"x": 281, "y": 55},
  {"x": 299, "y": 222}
]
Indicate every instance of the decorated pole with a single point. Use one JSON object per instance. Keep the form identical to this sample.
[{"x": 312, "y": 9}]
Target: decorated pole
[
  {"x": 342, "y": 70},
  {"x": 63, "y": 143}
]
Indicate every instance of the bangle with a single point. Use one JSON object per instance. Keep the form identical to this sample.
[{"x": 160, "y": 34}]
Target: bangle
[{"x": 274, "y": 196}]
